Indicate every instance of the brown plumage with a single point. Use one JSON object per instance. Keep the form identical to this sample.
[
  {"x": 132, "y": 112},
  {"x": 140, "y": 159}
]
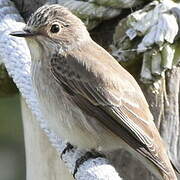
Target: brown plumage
[{"x": 89, "y": 99}]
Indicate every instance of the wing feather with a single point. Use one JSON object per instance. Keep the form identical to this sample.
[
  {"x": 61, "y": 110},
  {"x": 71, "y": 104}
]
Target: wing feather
[{"x": 110, "y": 102}]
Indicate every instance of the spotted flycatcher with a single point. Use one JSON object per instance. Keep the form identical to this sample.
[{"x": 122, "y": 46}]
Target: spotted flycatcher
[{"x": 87, "y": 97}]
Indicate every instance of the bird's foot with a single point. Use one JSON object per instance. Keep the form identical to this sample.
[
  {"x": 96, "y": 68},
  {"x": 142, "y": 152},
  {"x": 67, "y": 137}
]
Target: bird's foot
[
  {"x": 67, "y": 148},
  {"x": 88, "y": 155}
]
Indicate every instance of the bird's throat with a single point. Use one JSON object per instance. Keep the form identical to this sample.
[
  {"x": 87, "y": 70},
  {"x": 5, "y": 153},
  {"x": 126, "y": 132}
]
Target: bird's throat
[{"x": 35, "y": 49}]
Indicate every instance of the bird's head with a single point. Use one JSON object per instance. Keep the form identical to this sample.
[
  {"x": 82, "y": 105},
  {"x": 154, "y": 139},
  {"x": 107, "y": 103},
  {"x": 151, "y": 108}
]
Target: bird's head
[{"x": 54, "y": 26}]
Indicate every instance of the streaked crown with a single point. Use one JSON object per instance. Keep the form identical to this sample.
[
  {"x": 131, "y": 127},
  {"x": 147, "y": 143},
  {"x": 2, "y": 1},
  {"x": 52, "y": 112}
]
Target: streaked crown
[
  {"x": 58, "y": 24},
  {"x": 47, "y": 13}
]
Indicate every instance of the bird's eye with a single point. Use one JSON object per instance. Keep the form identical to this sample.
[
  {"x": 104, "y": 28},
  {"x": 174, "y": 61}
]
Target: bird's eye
[{"x": 55, "y": 28}]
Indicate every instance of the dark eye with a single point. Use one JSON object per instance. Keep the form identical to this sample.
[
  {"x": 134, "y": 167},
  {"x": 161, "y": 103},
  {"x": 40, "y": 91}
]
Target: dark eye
[{"x": 55, "y": 28}]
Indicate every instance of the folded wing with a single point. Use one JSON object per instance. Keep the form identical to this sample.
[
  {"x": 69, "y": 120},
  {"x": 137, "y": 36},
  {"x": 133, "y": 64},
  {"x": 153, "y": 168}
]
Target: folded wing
[{"x": 119, "y": 105}]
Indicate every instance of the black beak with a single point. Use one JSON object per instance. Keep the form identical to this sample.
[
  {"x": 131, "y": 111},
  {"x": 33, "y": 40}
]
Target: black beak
[{"x": 22, "y": 33}]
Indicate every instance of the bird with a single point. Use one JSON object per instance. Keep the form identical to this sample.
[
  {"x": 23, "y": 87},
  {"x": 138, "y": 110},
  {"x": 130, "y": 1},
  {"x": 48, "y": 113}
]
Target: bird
[{"x": 87, "y": 97}]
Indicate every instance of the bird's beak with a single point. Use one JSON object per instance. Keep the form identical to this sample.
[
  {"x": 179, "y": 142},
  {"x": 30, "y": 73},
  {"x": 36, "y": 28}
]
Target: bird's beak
[{"x": 22, "y": 33}]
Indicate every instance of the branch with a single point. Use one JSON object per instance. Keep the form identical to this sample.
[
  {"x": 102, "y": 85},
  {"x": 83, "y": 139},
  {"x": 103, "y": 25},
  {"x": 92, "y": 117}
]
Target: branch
[{"x": 16, "y": 57}]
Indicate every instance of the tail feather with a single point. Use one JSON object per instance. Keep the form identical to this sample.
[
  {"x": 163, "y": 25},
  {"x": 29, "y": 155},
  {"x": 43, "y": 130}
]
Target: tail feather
[{"x": 175, "y": 166}]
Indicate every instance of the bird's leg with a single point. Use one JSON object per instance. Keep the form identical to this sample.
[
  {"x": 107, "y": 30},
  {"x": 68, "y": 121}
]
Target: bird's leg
[{"x": 88, "y": 155}]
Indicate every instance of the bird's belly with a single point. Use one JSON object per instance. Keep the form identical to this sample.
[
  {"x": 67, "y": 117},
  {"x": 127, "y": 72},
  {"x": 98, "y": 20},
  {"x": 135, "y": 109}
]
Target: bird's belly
[{"x": 66, "y": 119}]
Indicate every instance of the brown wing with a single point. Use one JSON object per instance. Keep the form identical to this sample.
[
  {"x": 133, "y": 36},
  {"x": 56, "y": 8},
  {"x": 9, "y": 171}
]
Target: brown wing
[{"x": 108, "y": 92}]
